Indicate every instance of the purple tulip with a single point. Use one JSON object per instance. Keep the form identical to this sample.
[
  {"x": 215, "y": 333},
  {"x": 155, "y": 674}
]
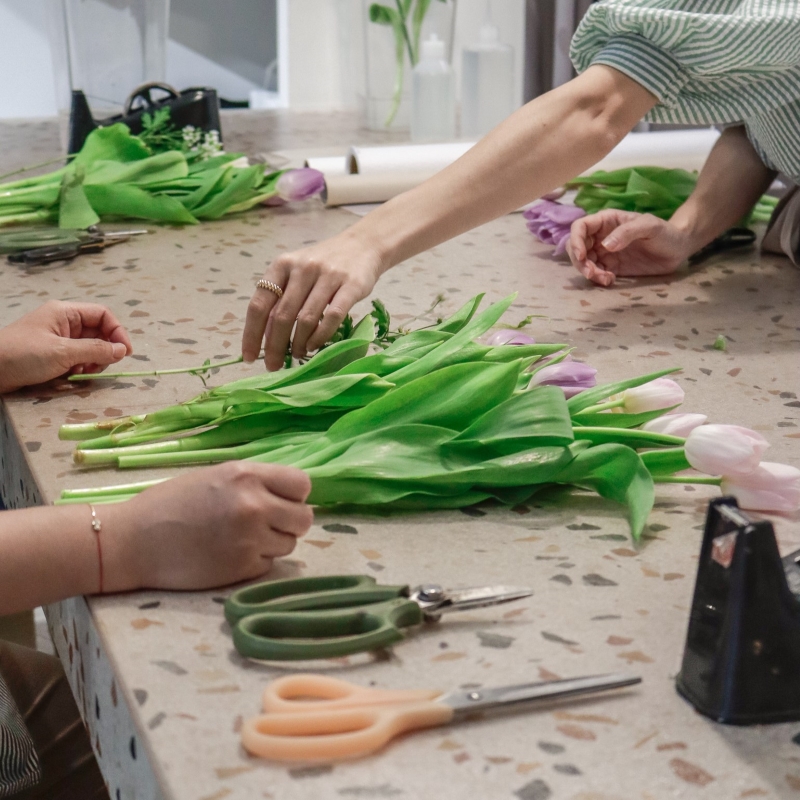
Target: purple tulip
[
  {"x": 769, "y": 487},
  {"x": 300, "y": 184},
  {"x": 550, "y": 222},
  {"x": 509, "y": 336},
  {"x": 571, "y": 376}
]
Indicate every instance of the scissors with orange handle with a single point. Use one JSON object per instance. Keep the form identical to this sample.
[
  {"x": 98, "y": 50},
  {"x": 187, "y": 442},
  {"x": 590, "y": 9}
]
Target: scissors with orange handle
[{"x": 316, "y": 718}]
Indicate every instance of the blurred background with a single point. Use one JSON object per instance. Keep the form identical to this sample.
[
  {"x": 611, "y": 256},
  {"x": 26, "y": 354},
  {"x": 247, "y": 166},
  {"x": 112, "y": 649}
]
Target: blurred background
[{"x": 307, "y": 55}]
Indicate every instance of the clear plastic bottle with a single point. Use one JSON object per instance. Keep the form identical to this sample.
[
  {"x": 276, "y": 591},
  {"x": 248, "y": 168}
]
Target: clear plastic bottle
[
  {"x": 487, "y": 83},
  {"x": 433, "y": 97}
]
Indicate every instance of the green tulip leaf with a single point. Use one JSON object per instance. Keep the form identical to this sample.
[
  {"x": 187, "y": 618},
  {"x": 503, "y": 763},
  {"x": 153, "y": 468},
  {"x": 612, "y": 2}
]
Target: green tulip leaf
[
  {"x": 617, "y": 473},
  {"x": 74, "y": 209}
]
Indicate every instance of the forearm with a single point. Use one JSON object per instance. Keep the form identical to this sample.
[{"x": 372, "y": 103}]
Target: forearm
[
  {"x": 49, "y": 554},
  {"x": 729, "y": 185},
  {"x": 545, "y": 143}
]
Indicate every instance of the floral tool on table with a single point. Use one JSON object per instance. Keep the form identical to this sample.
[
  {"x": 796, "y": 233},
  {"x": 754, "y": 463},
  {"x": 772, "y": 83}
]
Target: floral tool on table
[
  {"x": 435, "y": 419},
  {"x": 337, "y": 615},
  {"x": 316, "y": 718}
]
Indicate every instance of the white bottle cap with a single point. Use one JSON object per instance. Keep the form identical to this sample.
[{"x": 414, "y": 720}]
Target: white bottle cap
[
  {"x": 489, "y": 34},
  {"x": 432, "y": 49}
]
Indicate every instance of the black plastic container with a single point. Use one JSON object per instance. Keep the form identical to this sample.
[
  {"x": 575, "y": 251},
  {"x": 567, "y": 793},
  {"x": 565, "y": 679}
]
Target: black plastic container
[{"x": 196, "y": 107}]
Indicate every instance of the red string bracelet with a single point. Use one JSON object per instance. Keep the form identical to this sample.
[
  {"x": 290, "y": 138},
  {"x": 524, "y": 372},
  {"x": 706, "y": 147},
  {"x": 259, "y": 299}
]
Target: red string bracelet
[{"x": 97, "y": 526}]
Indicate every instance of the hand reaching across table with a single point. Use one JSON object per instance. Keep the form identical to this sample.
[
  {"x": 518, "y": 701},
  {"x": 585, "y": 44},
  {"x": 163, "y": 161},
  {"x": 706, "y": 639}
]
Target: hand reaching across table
[{"x": 315, "y": 287}]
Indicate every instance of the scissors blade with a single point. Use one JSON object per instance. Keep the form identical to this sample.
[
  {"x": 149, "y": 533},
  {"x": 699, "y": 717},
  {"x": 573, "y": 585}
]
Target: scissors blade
[
  {"x": 503, "y": 697},
  {"x": 112, "y": 235},
  {"x": 477, "y": 597}
]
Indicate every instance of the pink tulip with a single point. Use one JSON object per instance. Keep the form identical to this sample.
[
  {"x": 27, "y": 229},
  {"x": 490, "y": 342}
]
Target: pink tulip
[
  {"x": 550, "y": 222},
  {"x": 769, "y": 487},
  {"x": 509, "y": 336},
  {"x": 675, "y": 424},
  {"x": 571, "y": 376},
  {"x": 300, "y": 184},
  {"x": 725, "y": 449},
  {"x": 660, "y": 393}
]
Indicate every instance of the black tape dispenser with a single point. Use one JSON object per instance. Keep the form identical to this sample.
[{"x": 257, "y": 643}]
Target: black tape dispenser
[{"x": 741, "y": 665}]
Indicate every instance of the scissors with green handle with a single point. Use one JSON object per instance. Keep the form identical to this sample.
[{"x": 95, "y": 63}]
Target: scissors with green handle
[
  {"x": 317, "y": 718},
  {"x": 337, "y": 615}
]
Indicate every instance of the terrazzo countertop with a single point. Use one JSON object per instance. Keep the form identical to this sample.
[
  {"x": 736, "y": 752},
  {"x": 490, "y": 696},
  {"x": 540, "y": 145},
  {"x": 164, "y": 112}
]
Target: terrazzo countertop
[{"x": 161, "y": 687}]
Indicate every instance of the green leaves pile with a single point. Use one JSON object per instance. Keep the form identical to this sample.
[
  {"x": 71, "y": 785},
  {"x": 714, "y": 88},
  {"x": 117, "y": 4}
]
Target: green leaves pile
[
  {"x": 648, "y": 190},
  {"x": 434, "y": 420},
  {"x": 117, "y": 175}
]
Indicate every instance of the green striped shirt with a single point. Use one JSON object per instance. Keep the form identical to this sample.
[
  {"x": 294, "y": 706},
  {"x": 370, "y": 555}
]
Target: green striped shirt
[{"x": 707, "y": 62}]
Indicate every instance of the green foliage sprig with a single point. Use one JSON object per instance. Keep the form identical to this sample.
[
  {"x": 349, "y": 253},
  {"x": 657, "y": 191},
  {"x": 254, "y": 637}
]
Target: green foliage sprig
[{"x": 405, "y": 12}]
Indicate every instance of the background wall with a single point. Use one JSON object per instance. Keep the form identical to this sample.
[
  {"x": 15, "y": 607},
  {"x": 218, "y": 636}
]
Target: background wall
[
  {"x": 27, "y": 86},
  {"x": 232, "y": 45}
]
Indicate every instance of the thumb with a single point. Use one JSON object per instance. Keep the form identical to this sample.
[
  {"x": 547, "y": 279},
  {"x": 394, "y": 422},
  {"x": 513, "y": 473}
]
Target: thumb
[
  {"x": 628, "y": 233},
  {"x": 94, "y": 351}
]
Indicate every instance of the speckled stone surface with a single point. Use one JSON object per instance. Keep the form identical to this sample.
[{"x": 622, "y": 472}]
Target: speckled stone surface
[{"x": 163, "y": 691}]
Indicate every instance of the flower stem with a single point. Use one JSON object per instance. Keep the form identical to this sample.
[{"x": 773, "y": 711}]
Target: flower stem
[
  {"x": 603, "y": 406},
  {"x": 678, "y": 479},
  {"x": 411, "y": 54},
  {"x": 109, "y": 491},
  {"x": 37, "y": 166},
  {"x": 191, "y": 370}
]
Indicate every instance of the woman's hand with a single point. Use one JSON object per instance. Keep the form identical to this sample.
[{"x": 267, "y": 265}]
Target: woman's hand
[
  {"x": 58, "y": 338},
  {"x": 615, "y": 243},
  {"x": 320, "y": 285},
  {"x": 211, "y": 527}
]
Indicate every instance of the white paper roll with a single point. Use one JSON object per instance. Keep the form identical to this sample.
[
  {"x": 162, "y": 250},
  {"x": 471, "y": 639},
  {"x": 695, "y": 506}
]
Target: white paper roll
[
  {"x": 328, "y": 165},
  {"x": 686, "y": 149},
  {"x": 377, "y": 187},
  {"x": 405, "y": 157}
]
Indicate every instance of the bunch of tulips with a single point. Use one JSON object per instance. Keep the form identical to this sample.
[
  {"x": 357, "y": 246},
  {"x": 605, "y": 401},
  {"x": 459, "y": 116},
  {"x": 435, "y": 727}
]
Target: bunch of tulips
[
  {"x": 116, "y": 174},
  {"x": 438, "y": 419}
]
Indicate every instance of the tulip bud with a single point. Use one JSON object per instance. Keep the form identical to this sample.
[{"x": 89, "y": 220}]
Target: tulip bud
[
  {"x": 509, "y": 336},
  {"x": 550, "y": 222},
  {"x": 675, "y": 424},
  {"x": 571, "y": 376},
  {"x": 769, "y": 487},
  {"x": 725, "y": 449},
  {"x": 660, "y": 393},
  {"x": 300, "y": 184}
]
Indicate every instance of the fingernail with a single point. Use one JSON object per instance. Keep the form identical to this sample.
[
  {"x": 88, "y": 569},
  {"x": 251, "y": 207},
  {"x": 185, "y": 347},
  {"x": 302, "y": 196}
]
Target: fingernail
[
  {"x": 609, "y": 242},
  {"x": 118, "y": 350}
]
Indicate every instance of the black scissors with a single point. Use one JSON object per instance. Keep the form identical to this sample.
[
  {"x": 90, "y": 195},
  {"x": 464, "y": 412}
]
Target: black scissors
[
  {"x": 43, "y": 246},
  {"x": 732, "y": 239}
]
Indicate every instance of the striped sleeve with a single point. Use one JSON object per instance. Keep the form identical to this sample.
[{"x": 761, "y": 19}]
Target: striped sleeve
[
  {"x": 708, "y": 62},
  {"x": 19, "y": 764}
]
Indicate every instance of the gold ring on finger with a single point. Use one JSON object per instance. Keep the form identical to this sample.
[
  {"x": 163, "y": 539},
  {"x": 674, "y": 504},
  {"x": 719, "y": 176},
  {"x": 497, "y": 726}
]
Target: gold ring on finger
[{"x": 270, "y": 287}]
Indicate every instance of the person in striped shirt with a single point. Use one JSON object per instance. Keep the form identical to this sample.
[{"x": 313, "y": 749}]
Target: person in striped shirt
[
  {"x": 729, "y": 62},
  {"x": 734, "y": 62}
]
